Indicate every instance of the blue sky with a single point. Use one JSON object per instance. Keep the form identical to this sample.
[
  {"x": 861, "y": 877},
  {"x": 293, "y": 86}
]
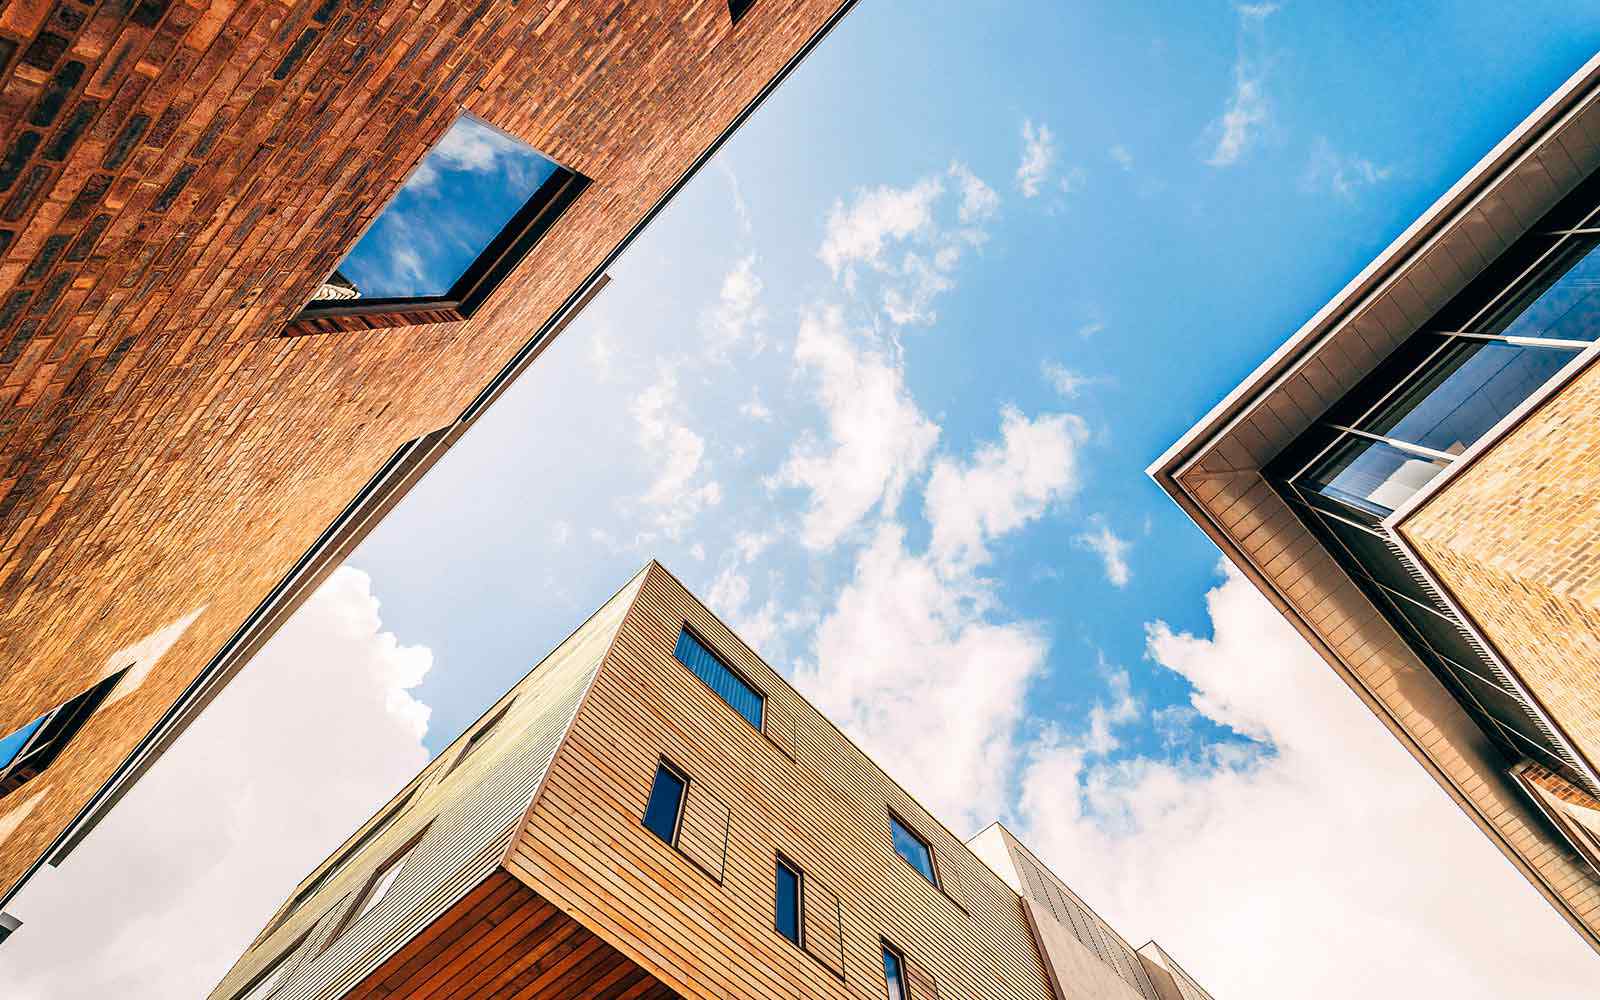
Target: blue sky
[{"x": 881, "y": 385}]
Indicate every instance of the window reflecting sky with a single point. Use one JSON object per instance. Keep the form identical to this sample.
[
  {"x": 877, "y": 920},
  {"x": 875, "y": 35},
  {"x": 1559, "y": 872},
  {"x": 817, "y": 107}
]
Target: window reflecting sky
[{"x": 458, "y": 199}]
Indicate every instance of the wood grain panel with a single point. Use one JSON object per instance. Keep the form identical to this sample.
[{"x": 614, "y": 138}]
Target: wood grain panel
[
  {"x": 823, "y": 920},
  {"x": 703, "y": 835},
  {"x": 583, "y": 848},
  {"x": 920, "y": 984}
]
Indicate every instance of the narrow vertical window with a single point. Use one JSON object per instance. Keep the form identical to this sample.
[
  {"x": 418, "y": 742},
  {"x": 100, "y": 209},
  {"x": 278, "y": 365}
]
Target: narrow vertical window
[
  {"x": 893, "y": 974},
  {"x": 378, "y": 885},
  {"x": 666, "y": 803},
  {"x": 787, "y": 900},
  {"x": 479, "y": 736},
  {"x": 913, "y": 848}
]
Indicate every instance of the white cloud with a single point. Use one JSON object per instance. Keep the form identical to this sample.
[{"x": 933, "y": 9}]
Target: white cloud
[
  {"x": 1313, "y": 850},
  {"x": 1112, "y": 550},
  {"x": 1340, "y": 173},
  {"x": 877, "y": 437},
  {"x": 737, "y": 317},
  {"x": 878, "y": 216},
  {"x": 1105, "y": 717},
  {"x": 1122, "y": 155},
  {"x": 1248, "y": 107},
  {"x": 1004, "y": 486},
  {"x": 750, "y": 544},
  {"x": 741, "y": 208},
  {"x": 189, "y": 866},
  {"x": 1038, "y": 155},
  {"x": 674, "y": 496},
  {"x": 1066, "y": 381},
  {"x": 907, "y": 665},
  {"x": 979, "y": 202}
]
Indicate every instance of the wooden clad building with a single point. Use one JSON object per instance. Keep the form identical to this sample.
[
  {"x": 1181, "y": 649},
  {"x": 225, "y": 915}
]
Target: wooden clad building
[
  {"x": 203, "y": 403},
  {"x": 624, "y": 823}
]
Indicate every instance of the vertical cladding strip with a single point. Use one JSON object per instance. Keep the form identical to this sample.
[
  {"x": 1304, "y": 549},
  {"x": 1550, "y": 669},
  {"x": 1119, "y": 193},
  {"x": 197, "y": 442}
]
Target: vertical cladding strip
[
  {"x": 584, "y": 848},
  {"x": 470, "y": 812}
]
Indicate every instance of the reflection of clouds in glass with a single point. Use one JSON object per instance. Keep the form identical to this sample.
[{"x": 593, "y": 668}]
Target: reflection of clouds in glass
[{"x": 457, "y": 200}]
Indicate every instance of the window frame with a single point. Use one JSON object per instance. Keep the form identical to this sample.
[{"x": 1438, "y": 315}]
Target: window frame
[
  {"x": 738, "y": 675},
  {"x": 54, "y": 731},
  {"x": 367, "y": 896},
  {"x": 663, "y": 764},
  {"x": 483, "y": 732},
  {"x": 889, "y": 951},
  {"x": 783, "y": 863},
  {"x": 895, "y": 819},
  {"x": 487, "y": 272},
  {"x": 279, "y": 966}
]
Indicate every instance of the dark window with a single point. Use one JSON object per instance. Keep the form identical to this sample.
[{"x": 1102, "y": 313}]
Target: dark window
[
  {"x": 787, "y": 900},
  {"x": 894, "y": 979},
  {"x": 913, "y": 848},
  {"x": 467, "y": 215},
  {"x": 26, "y": 753},
  {"x": 729, "y": 686},
  {"x": 479, "y": 736},
  {"x": 666, "y": 802},
  {"x": 737, "y": 8}
]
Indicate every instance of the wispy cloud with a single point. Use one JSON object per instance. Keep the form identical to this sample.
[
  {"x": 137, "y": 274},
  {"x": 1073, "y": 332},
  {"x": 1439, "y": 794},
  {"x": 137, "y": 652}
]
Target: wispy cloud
[
  {"x": 1067, "y": 382},
  {"x": 735, "y": 320},
  {"x": 1038, "y": 156},
  {"x": 676, "y": 495},
  {"x": 1122, "y": 156},
  {"x": 1111, "y": 548},
  {"x": 1248, "y": 108},
  {"x": 1341, "y": 174},
  {"x": 754, "y": 409}
]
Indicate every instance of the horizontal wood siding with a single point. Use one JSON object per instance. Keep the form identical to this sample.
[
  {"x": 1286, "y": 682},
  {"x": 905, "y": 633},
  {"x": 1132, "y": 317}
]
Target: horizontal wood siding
[
  {"x": 821, "y": 930},
  {"x": 703, "y": 835},
  {"x": 803, "y": 790},
  {"x": 470, "y": 807}
]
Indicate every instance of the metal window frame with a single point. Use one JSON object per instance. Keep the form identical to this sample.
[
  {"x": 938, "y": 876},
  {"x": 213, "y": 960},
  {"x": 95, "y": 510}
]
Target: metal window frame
[
  {"x": 782, "y": 862},
  {"x": 895, "y": 819},
  {"x": 665, "y": 764}
]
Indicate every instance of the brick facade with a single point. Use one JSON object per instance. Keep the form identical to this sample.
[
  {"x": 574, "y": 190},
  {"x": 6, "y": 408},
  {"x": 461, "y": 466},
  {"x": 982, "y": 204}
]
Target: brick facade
[
  {"x": 1516, "y": 539},
  {"x": 175, "y": 180}
]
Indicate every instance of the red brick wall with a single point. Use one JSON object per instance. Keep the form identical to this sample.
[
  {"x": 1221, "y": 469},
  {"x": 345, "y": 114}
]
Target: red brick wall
[{"x": 175, "y": 178}]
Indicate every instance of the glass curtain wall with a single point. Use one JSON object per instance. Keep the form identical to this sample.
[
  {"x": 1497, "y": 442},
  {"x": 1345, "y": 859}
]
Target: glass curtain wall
[{"x": 1514, "y": 327}]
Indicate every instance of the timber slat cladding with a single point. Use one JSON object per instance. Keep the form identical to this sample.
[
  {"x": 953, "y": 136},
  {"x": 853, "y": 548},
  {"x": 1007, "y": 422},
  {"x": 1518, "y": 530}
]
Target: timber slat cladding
[
  {"x": 919, "y": 981},
  {"x": 583, "y": 845},
  {"x": 704, "y": 832},
  {"x": 471, "y": 807},
  {"x": 821, "y": 935}
]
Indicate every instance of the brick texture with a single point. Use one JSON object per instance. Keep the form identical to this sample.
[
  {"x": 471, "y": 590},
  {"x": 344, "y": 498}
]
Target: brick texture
[
  {"x": 175, "y": 179},
  {"x": 1516, "y": 538}
]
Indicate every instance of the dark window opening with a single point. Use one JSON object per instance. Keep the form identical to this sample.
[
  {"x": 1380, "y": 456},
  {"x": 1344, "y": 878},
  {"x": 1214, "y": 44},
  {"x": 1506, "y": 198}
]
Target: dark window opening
[
  {"x": 894, "y": 979},
  {"x": 913, "y": 848},
  {"x": 463, "y": 220},
  {"x": 787, "y": 900},
  {"x": 478, "y": 737},
  {"x": 26, "y": 753},
  {"x": 666, "y": 803},
  {"x": 738, "y": 8},
  {"x": 729, "y": 686}
]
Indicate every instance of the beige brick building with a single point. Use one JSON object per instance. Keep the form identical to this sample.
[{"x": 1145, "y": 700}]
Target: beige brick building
[
  {"x": 191, "y": 434},
  {"x": 1413, "y": 479},
  {"x": 654, "y": 812}
]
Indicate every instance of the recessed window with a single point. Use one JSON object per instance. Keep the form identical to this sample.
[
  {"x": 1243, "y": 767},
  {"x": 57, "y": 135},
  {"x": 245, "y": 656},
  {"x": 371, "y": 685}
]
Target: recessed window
[
  {"x": 471, "y": 210},
  {"x": 786, "y": 901},
  {"x": 894, "y": 978},
  {"x": 666, "y": 803},
  {"x": 479, "y": 736},
  {"x": 377, "y": 886},
  {"x": 913, "y": 848},
  {"x": 729, "y": 686},
  {"x": 26, "y": 753},
  {"x": 271, "y": 977},
  {"x": 738, "y": 8}
]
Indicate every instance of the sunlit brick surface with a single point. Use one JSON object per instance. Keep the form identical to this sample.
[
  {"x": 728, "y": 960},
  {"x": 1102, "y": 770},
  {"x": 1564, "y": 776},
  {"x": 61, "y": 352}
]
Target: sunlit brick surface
[{"x": 175, "y": 179}]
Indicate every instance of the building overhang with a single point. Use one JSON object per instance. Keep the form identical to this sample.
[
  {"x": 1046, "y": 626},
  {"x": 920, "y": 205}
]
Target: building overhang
[{"x": 1214, "y": 471}]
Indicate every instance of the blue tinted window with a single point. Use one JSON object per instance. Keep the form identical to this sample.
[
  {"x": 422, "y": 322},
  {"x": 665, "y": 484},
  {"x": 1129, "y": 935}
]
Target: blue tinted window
[
  {"x": 913, "y": 848},
  {"x": 788, "y": 902},
  {"x": 13, "y": 744},
  {"x": 729, "y": 686},
  {"x": 666, "y": 796},
  {"x": 893, "y": 978},
  {"x": 453, "y": 205}
]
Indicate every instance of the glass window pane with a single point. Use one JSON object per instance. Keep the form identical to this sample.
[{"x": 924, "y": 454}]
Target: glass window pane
[
  {"x": 1568, "y": 309},
  {"x": 729, "y": 686},
  {"x": 1464, "y": 391},
  {"x": 913, "y": 848},
  {"x": 13, "y": 744},
  {"x": 787, "y": 903},
  {"x": 1373, "y": 475},
  {"x": 661, "y": 815},
  {"x": 893, "y": 979},
  {"x": 452, "y": 206}
]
